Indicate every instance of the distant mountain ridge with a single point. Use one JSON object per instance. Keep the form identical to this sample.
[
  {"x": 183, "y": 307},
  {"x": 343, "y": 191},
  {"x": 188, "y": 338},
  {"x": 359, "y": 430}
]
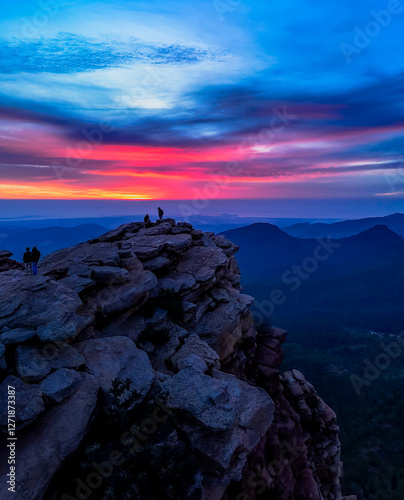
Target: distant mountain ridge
[
  {"x": 48, "y": 239},
  {"x": 352, "y": 281},
  {"x": 346, "y": 228}
]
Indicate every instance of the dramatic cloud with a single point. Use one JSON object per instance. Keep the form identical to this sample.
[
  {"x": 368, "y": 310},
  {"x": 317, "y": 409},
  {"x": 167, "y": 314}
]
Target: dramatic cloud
[{"x": 147, "y": 101}]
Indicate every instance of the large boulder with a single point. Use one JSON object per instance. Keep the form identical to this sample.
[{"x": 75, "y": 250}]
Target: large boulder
[
  {"x": 194, "y": 345},
  {"x": 226, "y": 417},
  {"x": 41, "y": 450},
  {"x": 7, "y": 264},
  {"x": 118, "y": 359},
  {"x": 40, "y": 306}
]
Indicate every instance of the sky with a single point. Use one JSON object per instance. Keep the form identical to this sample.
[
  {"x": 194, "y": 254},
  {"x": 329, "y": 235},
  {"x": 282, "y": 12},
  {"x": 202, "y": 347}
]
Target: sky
[{"x": 204, "y": 99}]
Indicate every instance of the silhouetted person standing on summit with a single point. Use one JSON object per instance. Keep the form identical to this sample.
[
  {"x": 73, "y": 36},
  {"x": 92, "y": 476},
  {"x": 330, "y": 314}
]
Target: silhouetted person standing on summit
[
  {"x": 161, "y": 213},
  {"x": 27, "y": 259},
  {"x": 35, "y": 256}
]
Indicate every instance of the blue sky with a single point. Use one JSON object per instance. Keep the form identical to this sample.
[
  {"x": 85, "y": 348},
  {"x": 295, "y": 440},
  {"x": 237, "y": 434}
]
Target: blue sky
[{"x": 141, "y": 100}]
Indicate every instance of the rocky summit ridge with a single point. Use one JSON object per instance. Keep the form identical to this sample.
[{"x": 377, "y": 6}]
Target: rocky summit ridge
[{"x": 151, "y": 320}]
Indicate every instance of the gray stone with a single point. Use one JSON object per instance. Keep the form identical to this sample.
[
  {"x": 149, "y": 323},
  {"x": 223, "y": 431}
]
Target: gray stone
[
  {"x": 60, "y": 384},
  {"x": 219, "y": 295},
  {"x": 17, "y": 336},
  {"x": 117, "y": 298},
  {"x": 33, "y": 363},
  {"x": 145, "y": 252},
  {"x": 194, "y": 345},
  {"x": 202, "y": 262},
  {"x": 156, "y": 263},
  {"x": 180, "y": 230},
  {"x": 81, "y": 270},
  {"x": 118, "y": 358},
  {"x": 77, "y": 283},
  {"x": 58, "y": 433},
  {"x": 192, "y": 361},
  {"x": 110, "y": 275},
  {"x": 207, "y": 242},
  {"x": 40, "y": 304},
  {"x": 162, "y": 227},
  {"x": 5, "y": 254},
  {"x": 254, "y": 411},
  {"x": 120, "y": 232},
  {"x": 84, "y": 254},
  {"x": 178, "y": 282},
  {"x": 184, "y": 224},
  {"x": 205, "y": 398},
  {"x": 222, "y": 328},
  {"x": 168, "y": 220},
  {"x": 28, "y": 402}
]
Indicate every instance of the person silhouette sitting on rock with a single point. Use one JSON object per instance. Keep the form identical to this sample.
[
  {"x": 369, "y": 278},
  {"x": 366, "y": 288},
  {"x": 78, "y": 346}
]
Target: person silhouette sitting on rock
[
  {"x": 161, "y": 213},
  {"x": 147, "y": 220},
  {"x": 27, "y": 259},
  {"x": 35, "y": 256}
]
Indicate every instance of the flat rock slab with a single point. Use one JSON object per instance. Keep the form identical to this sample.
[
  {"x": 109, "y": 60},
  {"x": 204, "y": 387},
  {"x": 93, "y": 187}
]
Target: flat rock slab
[
  {"x": 89, "y": 254},
  {"x": 177, "y": 282},
  {"x": 33, "y": 363},
  {"x": 110, "y": 275},
  {"x": 77, "y": 283},
  {"x": 60, "y": 384},
  {"x": 117, "y": 298},
  {"x": 44, "y": 448},
  {"x": 37, "y": 303},
  {"x": 202, "y": 262},
  {"x": 28, "y": 402},
  {"x": 118, "y": 358},
  {"x": 156, "y": 263}
]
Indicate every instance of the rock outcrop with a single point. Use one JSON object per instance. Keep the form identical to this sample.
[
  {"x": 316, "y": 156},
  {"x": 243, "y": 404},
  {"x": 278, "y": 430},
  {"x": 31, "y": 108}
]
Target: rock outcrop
[
  {"x": 142, "y": 341},
  {"x": 7, "y": 263}
]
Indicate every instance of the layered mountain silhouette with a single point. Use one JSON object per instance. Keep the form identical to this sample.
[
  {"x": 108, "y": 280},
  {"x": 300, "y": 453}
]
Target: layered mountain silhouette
[
  {"x": 357, "y": 281},
  {"x": 48, "y": 239},
  {"x": 395, "y": 222}
]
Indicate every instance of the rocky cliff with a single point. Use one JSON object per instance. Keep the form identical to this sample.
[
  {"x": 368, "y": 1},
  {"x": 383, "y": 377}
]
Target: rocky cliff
[{"x": 139, "y": 373}]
